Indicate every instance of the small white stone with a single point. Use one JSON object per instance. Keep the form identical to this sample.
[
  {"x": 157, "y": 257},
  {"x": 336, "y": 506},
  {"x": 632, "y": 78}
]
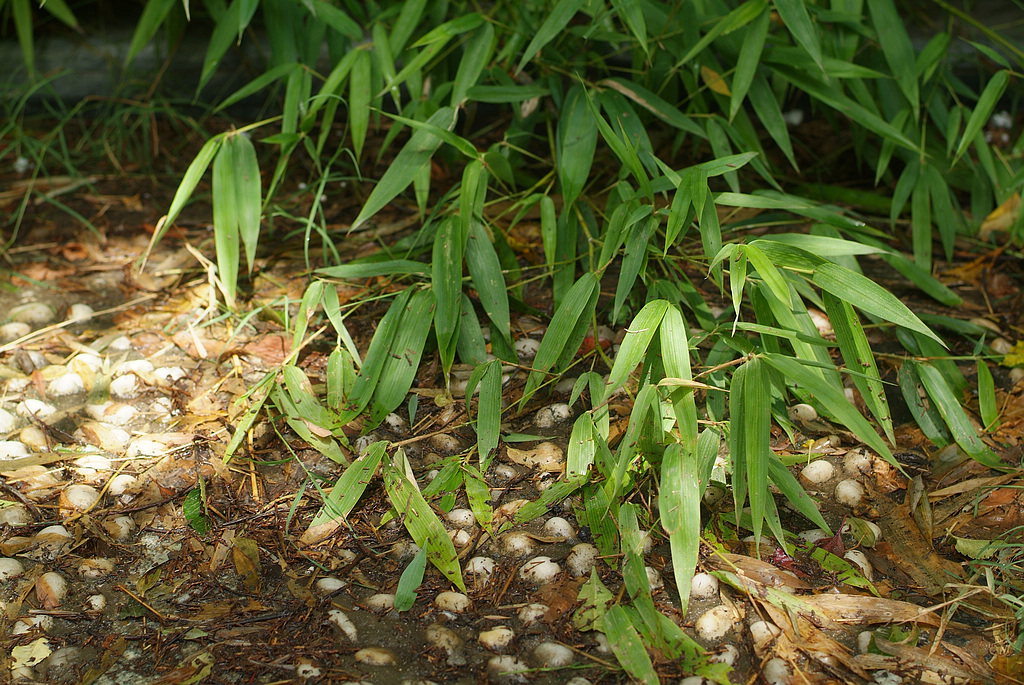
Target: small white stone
[
  {"x": 10, "y": 568},
  {"x": 849, "y": 492},
  {"x": 95, "y": 603},
  {"x": 395, "y": 422},
  {"x": 115, "y": 414},
  {"x": 565, "y": 385},
  {"x": 531, "y": 613},
  {"x": 306, "y": 669},
  {"x": 858, "y": 558},
  {"x": 382, "y": 601},
  {"x": 125, "y": 387},
  {"x": 1016, "y": 375},
  {"x": 505, "y": 472},
  {"x": 344, "y": 624},
  {"x": 552, "y": 415},
  {"x": 167, "y": 375},
  {"x": 539, "y": 570},
  {"x": 26, "y": 623},
  {"x": 813, "y": 535},
  {"x": 88, "y": 360},
  {"x": 443, "y": 638},
  {"x": 121, "y": 483},
  {"x": 496, "y": 639},
  {"x": 527, "y": 348},
  {"x": 703, "y": 586},
  {"x": 329, "y": 585},
  {"x": 1001, "y": 346},
  {"x": 67, "y": 384},
  {"x": 654, "y": 578},
  {"x": 121, "y": 528},
  {"x": 34, "y": 438},
  {"x": 455, "y": 602},
  {"x": 462, "y": 518},
  {"x": 552, "y": 655},
  {"x": 16, "y": 515},
  {"x": 581, "y": 559},
  {"x": 51, "y": 589},
  {"x": 460, "y": 538},
  {"x": 404, "y": 549},
  {"x": 864, "y": 639},
  {"x": 8, "y": 422},
  {"x": 763, "y": 633},
  {"x": 546, "y": 456},
  {"x": 12, "y": 449},
  {"x": 558, "y": 527},
  {"x": 802, "y": 413},
  {"x": 79, "y": 312},
  {"x": 145, "y": 447},
  {"x": 856, "y": 462},
  {"x": 517, "y": 544},
  {"x": 102, "y": 435},
  {"x": 480, "y": 568},
  {"x": 499, "y": 667},
  {"x": 94, "y": 568},
  {"x": 78, "y": 497},
  {"x": 728, "y": 655},
  {"x": 34, "y": 313},
  {"x": 445, "y": 443},
  {"x": 864, "y": 532},
  {"x": 715, "y": 622},
  {"x": 776, "y": 671},
  {"x": 35, "y": 409},
  {"x": 602, "y": 643},
  {"x": 9, "y": 332},
  {"x": 375, "y": 656},
  {"x": 136, "y": 366},
  {"x": 818, "y": 471}
]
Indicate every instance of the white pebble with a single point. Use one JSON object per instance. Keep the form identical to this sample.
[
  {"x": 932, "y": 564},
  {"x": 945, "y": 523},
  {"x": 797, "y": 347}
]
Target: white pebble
[
  {"x": 776, "y": 671},
  {"x": 8, "y": 422},
  {"x": 51, "y": 589},
  {"x": 802, "y": 413},
  {"x": 395, "y": 422},
  {"x": 10, "y": 568},
  {"x": 26, "y": 623},
  {"x": 856, "y": 462},
  {"x": 445, "y": 443},
  {"x": 166, "y": 375},
  {"x": 344, "y": 623},
  {"x": 145, "y": 447},
  {"x": 462, "y": 518},
  {"x": 703, "y": 586},
  {"x": 35, "y": 313},
  {"x": 517, "y": 544},
  {"x": 763, "y": 633},
  {"x": 88, "y": 360},
  {"x": 546, "y": 456},
  {"x": 68, "y": 384},
  {"x": 813, "y": 535},
  {"x": 79, "y": 312},
  {"x": 35, "y": 409},
  {"x": 121, "y": 528},
  {"x": 137, "y": 366},
  {"x": 849, "y": 492},
  {"x": 306, "y": 669},
  {"x": 329, "y": 585},
  {"x": 864, "y": 639},
  {"x": 527, "y": 348},
  {"x": 558, "y": 527},
  {"x": 78, "y": 497},
  {"x": 552, "y": 415},
  {"x": 375, "y": 656},
  {"x": 499, "y": 666},
  {"x": 460, "y": 538},
  {"x": 12, "y": 449},
  {"x": 864, "y": 532},
  {"x": 1016, "y": 374},
  {"x": 455, "y": 602},
  {"x": 818, "y": 471},
  {"x": 654, "y": 578},
  {"x": 581, "y": 559},
  {"x": 728, "y": 655},
  {"x": 109, "y": 412},
  {"x": 539, "y": 570},
  {"x": 382, "y": 601},
  {"x": 125, "y": 387},
  {"x": 121, "y": 483},
  {"x": 552, "y": 655},
  {"x": 443, "y": 638},
  {"x": 95, "y": 603},
  {"x": 9, "y": 332},
  {"x": 481, "y": 569},
  {"x": 16, "y": 515},
  {"x": 496, "y": 639},
  {"x": 715, "y": 622},
  {"x": 531, "y": 613},
  {"x": 34, "y": 438},
  {"x": 859, "y": 559},
  {"x": 404, "y": 549},
  {"x": 1001, "y": 346}
]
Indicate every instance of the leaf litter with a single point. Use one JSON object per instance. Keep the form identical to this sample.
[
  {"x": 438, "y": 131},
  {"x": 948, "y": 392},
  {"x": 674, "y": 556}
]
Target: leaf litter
[{"x": 137, "y": 549}]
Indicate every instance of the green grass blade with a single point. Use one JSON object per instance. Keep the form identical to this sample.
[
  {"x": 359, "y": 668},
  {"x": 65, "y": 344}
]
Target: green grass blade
[
  {"x": 389, "y": 267},
  {"x": 488, "y": 417},
  {"x": 349, "y": 488},
  {"x": 472, "y": 347},
  {"x": 409, "y": 582},
  {"x": 476, "y": 56},
  {"x": 557, "y": 19},
  {"x": 675, "y": 353},
  {"x": 680, "y": 514},
  {"x": 446, "y": 282},
  {"x": 628, "y": 647},
  {"x": 486, "y": 275},
  {"x": 633, "y": 261},
  {"x": 655, "y": 105},
  {"x": 248, "y": 194},
  {"x": 565, "y": 333},
  {"x": 896, "y": 46},
  {"x": 987, "y": 404},
  {"x": 403, "y": 360},
  {"x": 421, "y": 522},
  {"x": 576, "y": 142},
  {"x": 359, "y": 90},
  {"x": 982, "y": 111},
  {"x": 414, "y": 156},
  {"x": 755, "y": 414},
  {"x": 859, "y": 358},
  {"x": 945, "y": 400},
  {"x": 226, "y": 205},
  {"x": 153, "y": 16},
  {"x": 632, "y": 15},
  {"x": 794, "y": 14},
  {"x": 748, "y": 59},
  {"x": 336, "y": 18},
  {"x": 408, "y": 20}
]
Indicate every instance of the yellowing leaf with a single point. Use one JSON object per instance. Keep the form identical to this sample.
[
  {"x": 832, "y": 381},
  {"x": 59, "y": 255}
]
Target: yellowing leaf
[
  {"x": 714, "y": 81},
  {"x": 1015, "y": 357},
  {"x": 1001, "y": 218}
]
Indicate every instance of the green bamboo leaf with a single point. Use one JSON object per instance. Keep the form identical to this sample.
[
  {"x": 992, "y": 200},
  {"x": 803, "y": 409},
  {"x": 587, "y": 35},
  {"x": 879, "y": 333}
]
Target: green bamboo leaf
[
  {"x": 576, "y": 143},
  {"x": 446, "y": 282},
  {"x": 942, "y": 206},
  {"x": 488, "y": 417},
  {"x": 945, "y": 401},
  {"x": 479, "y": 496},
  {"x": 472, "y": 347},
  {"x": 768, "y": 111},
  {"x": 924, "y": 413},
  {"x": 377, "y": 354},
  {"x": 248, "y": 193},
  {"x": 60, "y": 10},
  {"x": 896, "y": 46},
  {"x": 153, "y": 16},
  {"x": 361, "y": 270},
  {"x": 833, "y": 401},
  {"x": 565, "y": 333},
  {"x": 633, "y": 261},
  {"x": 229, "y": 29},
  {"x": 627, "y": 646},
  {"x": 794, "y": 14},
  {"x": 767, "y": 271},
  {"x": 359, "y": 100},
  {"x": 632, "y": 15},
  {"x": 409, "y": 582},
  {"x": 349, "y": 488},
  {"x": 738, "y": 18},
  {"x": 582, "y": 449},
  {"x": 336, "y": 18},
  {"x": 680, "y": 498},
  {"x": 655, "y": 105},
  {"x": 505, "y": 94},
  {"x": 747, "y": 61},
  {"x": 413, "y": 157},
  {"x": 751, "y": 408},
  {"x": 403, "y": 360},
  {"x": 794, "y": 493},
  {"x": 486, "y": 274},
  {"x": 675, "y": 352},
  {"x": 258, "y": 84},
  {"x": 477, "y": 55},
  {"x": 318, "y": 437},
  {"x": 982, "y": 110},
  {"x": 860, "y": 359},
  {"x": 557, "y": 19},
  {"x": 257, "y": 397},
  {"x": 421, "y": 522},
  {"x": 226, "y": 219},
  {"x": 987, "y": 397}
]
